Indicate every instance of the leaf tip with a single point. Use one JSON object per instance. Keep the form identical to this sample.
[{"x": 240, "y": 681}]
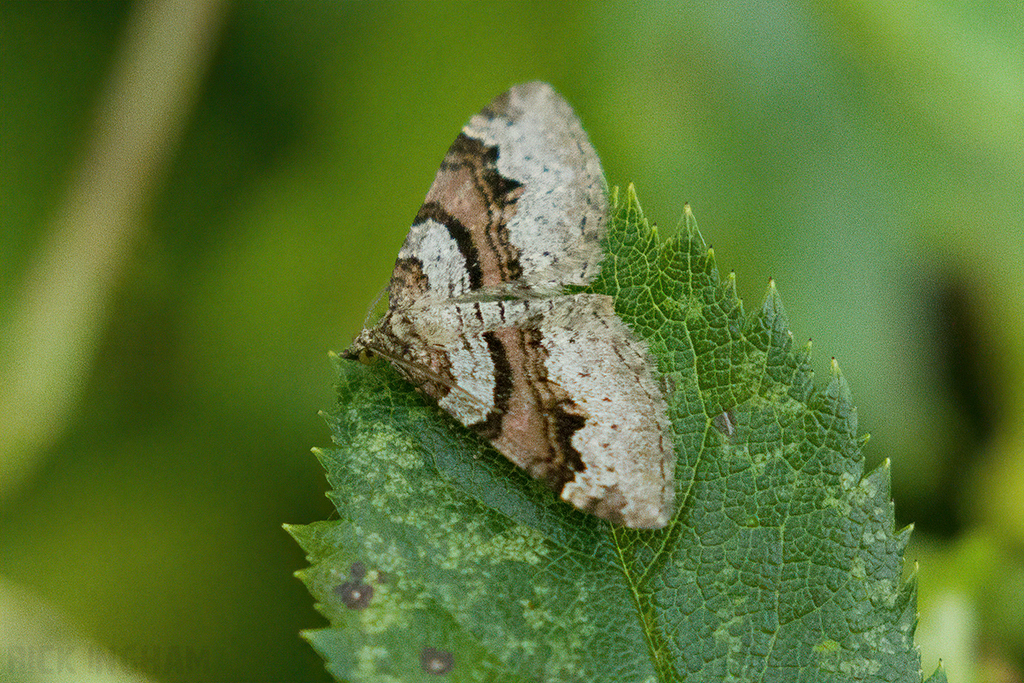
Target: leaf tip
[
  {"x": 904, "y": 534},
  {"x": 939, "y": 675},
  {"x": 730, "y": 284},
  {"x": 321, "y": 455},
  {"x": 773, "y": 312},
  {"x": 631, "y": 194},
  {"x": 687, "y": 222}
]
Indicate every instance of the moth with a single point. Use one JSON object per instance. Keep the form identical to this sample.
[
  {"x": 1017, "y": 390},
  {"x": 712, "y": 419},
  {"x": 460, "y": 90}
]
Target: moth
[{"x": 478, "y": 318}]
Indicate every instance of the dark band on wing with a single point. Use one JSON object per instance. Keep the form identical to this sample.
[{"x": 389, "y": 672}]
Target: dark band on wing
[
  {"x": 408, "y": 282},
  {"x": 462, "y": 236},
  {"x": 475, "y": 203},
  {"x": 564, "y": 425},
  {"x": 558, "y": 408},
  {"x": 503, "y": 385},
  {"x": 534, "y": 419}
]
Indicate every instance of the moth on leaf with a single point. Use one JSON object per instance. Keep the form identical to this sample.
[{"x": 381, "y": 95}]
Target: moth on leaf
[{"x": 479, "y": 320}]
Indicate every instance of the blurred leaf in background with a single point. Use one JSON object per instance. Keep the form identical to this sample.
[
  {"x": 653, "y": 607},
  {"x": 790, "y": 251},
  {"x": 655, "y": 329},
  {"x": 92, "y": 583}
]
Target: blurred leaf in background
[{"x": 866, "y": 155}]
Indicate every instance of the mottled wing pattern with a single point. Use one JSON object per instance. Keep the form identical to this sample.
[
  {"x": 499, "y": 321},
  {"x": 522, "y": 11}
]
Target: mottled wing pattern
[
  {"x": 570, "y": 400},
  {"x": 477, "y": 318},
  {"x": 521, "y": 174}
]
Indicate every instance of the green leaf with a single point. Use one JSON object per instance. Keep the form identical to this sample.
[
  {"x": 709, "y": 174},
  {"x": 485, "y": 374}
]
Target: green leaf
[{"x": 781, "y": 563}]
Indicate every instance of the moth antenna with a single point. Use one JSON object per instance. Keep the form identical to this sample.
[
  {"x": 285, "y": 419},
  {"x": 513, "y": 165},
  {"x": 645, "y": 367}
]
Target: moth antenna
[
  {"x": 423, "y": 370},
  {"x": 373, "y": 307}
]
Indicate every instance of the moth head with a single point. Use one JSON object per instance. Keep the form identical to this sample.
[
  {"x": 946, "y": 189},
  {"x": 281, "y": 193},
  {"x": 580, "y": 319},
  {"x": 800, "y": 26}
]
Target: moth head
[
  {"x": 360, "y": 350},
  {"x": 365, "y": 355}
]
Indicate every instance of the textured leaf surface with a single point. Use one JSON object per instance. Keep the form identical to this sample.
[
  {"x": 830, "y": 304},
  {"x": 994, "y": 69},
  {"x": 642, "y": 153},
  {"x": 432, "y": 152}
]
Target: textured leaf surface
[{"x": 781, "y": 563}]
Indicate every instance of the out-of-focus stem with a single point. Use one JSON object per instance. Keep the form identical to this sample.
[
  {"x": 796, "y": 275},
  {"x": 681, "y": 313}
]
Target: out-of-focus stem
[{"x": 49, "y": 346}]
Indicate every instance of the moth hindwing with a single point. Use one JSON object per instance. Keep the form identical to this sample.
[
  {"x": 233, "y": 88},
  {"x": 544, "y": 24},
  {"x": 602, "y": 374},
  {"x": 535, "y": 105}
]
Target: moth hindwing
[{"x": 479, "y": 321}]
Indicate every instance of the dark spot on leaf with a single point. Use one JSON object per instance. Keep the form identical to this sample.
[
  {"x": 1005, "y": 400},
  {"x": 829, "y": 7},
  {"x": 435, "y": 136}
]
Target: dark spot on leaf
[
  {"x": 724, "y": 423},
  {"x": 355, "y": 594},
  {"x": 357, "y": 571},
  {"x": 437, "y": 662},
  {"x": 381, "y": 577}
]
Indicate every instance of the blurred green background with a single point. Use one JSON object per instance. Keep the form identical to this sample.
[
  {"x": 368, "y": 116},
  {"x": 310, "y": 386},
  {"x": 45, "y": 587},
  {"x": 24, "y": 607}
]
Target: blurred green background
[{"x": 868, "y": 155}]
